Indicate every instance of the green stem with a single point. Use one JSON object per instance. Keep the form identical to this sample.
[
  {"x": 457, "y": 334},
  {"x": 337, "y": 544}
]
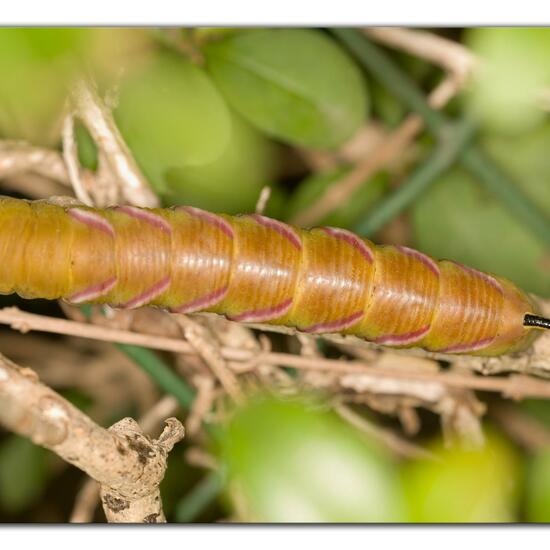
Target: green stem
[
  {"x": 205, "y": 492},
  {"x": 397, "y": 201},
  {"x": 164, "y": 377},
  {"x": 473, "y": 158},
  {"x": 398, "y": 82},
  {"x": 509, "y": 194}
]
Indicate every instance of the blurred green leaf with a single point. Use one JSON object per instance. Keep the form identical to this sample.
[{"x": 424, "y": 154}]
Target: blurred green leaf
[
  {"x": 294, "y": 84},
  {"x": 232, "y": 182},
  {"x": 385, "y": 106},
  {"x": 459, "y": 220},
  {"x": 509, "y": 82},
  {"x": 346, "y": 214},
  {"x": 464, "y": 486},
  {"x": 207, "y": 34},
  {"x": 171, "y": 115},
  {"x": 537, "y": 506},
  {"x": 87, "y": 149},
  {"x": 115, "y": 51},
  {"x": 289, "y": 463},
  {"x": 23, "y": 473},
  {"x": 37, "y": 67},
  {"x": 537, "y": 408}
]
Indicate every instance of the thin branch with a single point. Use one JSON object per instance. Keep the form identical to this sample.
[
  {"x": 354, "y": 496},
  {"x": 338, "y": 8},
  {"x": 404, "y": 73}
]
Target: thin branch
[
  {"x": 523, "y": 428},
  {"x": 128, "y": 465},
  {"x": 101, "y": 125},
  {"x": 18, "y": 157},
  {"x": 88, "y": 496},
  {"x": 85, "y": 502},
  {"x": 448, "y": 54},
  {"x": 391, "y": 440},
  {"x": 515, "y": 386},
  {"x": 207, "y": 348},
  {"x": 263, "y": 199}
]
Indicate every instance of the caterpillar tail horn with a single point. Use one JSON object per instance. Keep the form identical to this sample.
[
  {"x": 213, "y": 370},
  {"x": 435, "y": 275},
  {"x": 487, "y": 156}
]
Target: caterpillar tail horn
[{"x": 536, "y": 321}]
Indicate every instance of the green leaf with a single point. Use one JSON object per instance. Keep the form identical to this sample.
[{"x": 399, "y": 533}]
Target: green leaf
[
  {"x": 509, "y": 82},
  {"x": 233, "y": 181},
  {"x": 296, "y": 85},
  {"x": 87, "y": 149},
  {"x": 537, "y": 506},
  {"x": 346, "y": 214},
  {"x": 23, "y": 473},
  {"x": 170, "y": 114},
  {"x": 290, "y": 463},
  {"x": 37, "y": 66},
  {"x": 464, "y": 486},
  {"x": 457, "y": 219}
]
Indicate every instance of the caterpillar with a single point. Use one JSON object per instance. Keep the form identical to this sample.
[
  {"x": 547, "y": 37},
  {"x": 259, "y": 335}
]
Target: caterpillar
[{"x": 251, "y": 268}]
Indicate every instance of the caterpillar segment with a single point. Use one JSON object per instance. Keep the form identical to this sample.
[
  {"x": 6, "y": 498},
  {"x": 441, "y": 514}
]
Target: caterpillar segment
[{"x": 255, "y": 269}]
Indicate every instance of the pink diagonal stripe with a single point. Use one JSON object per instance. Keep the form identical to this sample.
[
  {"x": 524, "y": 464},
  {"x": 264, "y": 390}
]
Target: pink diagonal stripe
[
  {"x": 352, "y": 240},
  {"x": 335, "y": 326},
  {"x": 147, "y": 216},
  {"x": 280, "y": 227},
  {"x": 261, "y": 315},
  {"x": 485, "y": 276},
  {"x": 93, "y": 292},
  {"x": 92, "y": 219},
  {"x": 464, "y": 348},
  {"x": 426, "y": 260},
  {"x": 402, "y": 339},
  {"x": 214, "y": 219},
  {"x": 149, "y": 295},
  {"x": 203, "y": 302}
]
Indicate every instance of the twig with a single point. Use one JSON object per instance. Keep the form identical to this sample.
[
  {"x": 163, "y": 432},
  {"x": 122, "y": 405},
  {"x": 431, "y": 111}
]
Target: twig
[
  {"x": 33, "y": 185},
  {"x": 99, "y": 122},
  {"x": 166, "y": 406},
  {"x": 391, "y": 440},
  {"x": 197, "y": 336},
  {"x": 88, "y": 496},
  {"x": 128, "y": 465},
  {"x": 526, "y": 430},
  {"x": 18, "y": 157},
  {"x": 201, "y": 405},
  {"x": 450, "y": 55},
  {"x": 263, "y": 199},
  {"x": 85, "y": 502},
  {"x": 515, "y": 386}
]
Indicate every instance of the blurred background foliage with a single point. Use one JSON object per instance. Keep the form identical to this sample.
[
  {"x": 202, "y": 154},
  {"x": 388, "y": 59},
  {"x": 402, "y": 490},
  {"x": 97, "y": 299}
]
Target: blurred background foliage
[{"x": 214, "y": 115}]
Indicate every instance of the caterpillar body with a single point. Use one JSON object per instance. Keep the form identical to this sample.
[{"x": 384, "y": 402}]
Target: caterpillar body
[{"x": 252, "y": 268}]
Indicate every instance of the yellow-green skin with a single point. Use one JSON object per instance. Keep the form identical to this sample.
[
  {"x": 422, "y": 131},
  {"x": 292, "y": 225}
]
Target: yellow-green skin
[{"x": 255, "y": 269}]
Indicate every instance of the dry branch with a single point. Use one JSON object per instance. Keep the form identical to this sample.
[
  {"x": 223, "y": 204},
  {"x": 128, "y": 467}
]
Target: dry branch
[
  {"x": 128, "y": 465},
  {"x": 17, "y": 157},
  {"x": 205, "y": 346},
  {"x": 88, "y": 496},
  {"x": 100, "y": 123},
  {"x": 391, "y": 440},
  {"x": 516, "y": 386},
  {"x": 451, "y": 56}
]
